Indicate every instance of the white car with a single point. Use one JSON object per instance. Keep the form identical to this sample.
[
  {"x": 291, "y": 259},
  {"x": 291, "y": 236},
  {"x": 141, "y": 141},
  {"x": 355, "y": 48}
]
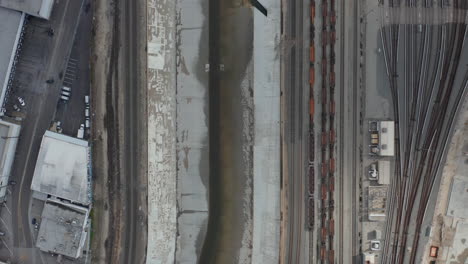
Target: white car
[
  {"x": 16, "y": 108},
  {"x": 21, "y": 101}
]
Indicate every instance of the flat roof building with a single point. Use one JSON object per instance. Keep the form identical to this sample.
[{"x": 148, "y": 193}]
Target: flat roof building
[
  {"x": 11, "y": 27},
  {"x": 37, "y": 8},
  {"x": 62, "y": 168},
  {"x": 63, "y": 229},
  {"x": 9, "y": 133},
  {"x": 384, "y": 172},
  {"x": 387, "y": 138},
  {"x": 376, "y": 202}
]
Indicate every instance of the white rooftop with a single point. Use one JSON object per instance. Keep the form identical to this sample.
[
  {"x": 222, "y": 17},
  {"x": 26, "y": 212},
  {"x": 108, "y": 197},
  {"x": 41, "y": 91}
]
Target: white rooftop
[
  {"x": 387, "y": 138},
  {"x": 8, "y": 139},
  {"x": 38, "y": 8},
  {"x": 62, "y": 168},
  {"x": 384, "y": 171}
]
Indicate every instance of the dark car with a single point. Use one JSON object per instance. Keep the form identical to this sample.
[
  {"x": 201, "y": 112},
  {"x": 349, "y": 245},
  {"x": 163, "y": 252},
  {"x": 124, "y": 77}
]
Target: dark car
[{"x": 34, "y": 221}]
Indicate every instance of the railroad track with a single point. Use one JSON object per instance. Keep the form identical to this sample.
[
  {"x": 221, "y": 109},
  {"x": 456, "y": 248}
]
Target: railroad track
[{"x": 420, "y": 110}]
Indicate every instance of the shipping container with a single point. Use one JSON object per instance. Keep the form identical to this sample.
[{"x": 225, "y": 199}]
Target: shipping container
[
  {"x": 332, "y": 184},
  {"x": 324, "y": 10},
  {"x": 434, "y": 252}
]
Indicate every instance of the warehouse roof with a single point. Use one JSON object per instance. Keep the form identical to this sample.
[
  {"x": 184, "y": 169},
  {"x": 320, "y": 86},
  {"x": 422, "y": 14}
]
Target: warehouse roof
[
  {"x": 62, "y": 229},
  {"x": 384, "y": 171},
  {"x": 38, "y": 8},
  {"x": 8, "y": 138},
  {"x": 387, "y": 138},
  {"x": 11, "y": 23},
  {"x": 62, "y": 168}
]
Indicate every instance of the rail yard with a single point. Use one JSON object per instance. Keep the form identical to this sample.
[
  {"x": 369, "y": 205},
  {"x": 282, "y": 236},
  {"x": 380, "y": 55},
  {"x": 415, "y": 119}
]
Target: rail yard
[{"x": 426, "y": 82}]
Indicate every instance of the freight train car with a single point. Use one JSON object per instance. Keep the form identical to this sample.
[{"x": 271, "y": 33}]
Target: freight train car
[
  {"x": 332, "y": 107},
  {"x": 311, "y": 213},
  {"x": 332, "y": 78},
  {"x": 331, "y": 227},
  {"x": 311, "y": 106},
  {"x": 312, "y": 54},
  {"x": 324, "y": 192},
  {"x": 331, "y": 256},
  {"x": 332, "y": 136},
  {"x": 332, "y": 165},
  {"x": 311, "y": 75},
  {"x": 312, "y": 12},
  {"x": 311, "y": 181}
]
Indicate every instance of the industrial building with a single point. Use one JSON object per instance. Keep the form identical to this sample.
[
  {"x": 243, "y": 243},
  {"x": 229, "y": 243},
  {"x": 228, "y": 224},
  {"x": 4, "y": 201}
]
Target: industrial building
[
  {"x": 382, "y": 138},
  {"x": 376, "y": 199},
  {"x": 13, "y": 15},
  {"x": 62, "y": 169},
  {"x": 11, "y": 28},
  {"x": 8, "y": 139},
  {"x": 63, "y": 229},
  {"x": 37, "y": 8}
]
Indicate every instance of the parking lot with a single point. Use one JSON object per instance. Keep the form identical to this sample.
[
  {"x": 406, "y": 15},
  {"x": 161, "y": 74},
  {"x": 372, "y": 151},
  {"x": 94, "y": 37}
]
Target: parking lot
[
  {"x": 51, "y": 56},
  {"x": 34, "y": 52}
]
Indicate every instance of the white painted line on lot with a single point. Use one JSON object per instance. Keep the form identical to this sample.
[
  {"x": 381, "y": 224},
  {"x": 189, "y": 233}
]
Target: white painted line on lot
[
  {"x": 4, "y": 243},
  {"x": 6, "y": 226},
  {"x": 6, "y": 206}
]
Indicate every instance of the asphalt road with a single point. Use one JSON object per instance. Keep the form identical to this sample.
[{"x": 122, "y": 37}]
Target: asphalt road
[{"x": 42, "y": 99}]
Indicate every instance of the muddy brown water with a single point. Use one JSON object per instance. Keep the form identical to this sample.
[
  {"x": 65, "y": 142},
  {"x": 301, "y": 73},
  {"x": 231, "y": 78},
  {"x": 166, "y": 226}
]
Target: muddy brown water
[{"x": 231, "y": 40}]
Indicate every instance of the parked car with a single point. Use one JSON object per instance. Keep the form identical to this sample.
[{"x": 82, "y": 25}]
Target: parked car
[
  {"x": 21, "y": 101},
  {"x": 34, "y": 221}
]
